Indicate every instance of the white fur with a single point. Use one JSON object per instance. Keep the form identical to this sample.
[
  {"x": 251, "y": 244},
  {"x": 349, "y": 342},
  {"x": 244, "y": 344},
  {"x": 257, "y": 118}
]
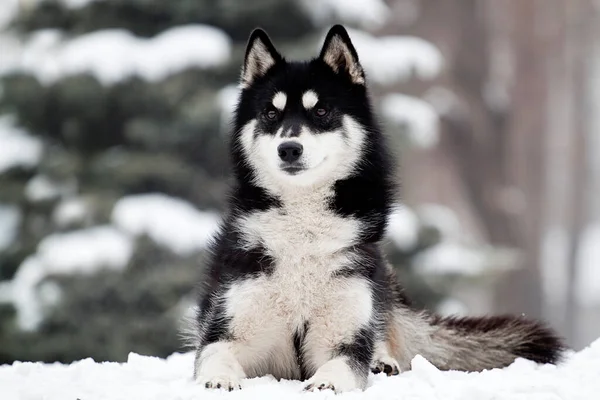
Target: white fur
[
  {"x": 347, "y": 308},
  {"x": 304, "y": 226},
  {"x": 306, "y": 241},
  {"x": 336, "y": 374},
  {"x": 279, "y": 100},
  {"x": 309, "y": 99},
  {"x": 267, "y": 310},
  {"x": 327, "y": 156},
  {"x": 262, "y": 348},
  {"x": 217, "y": 364}
]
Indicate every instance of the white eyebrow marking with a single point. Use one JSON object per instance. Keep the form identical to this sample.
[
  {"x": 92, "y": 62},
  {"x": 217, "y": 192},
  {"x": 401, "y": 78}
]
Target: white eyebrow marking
[
  {"x": 279, "y": 100},
  {"x": 309, "y": 99}
]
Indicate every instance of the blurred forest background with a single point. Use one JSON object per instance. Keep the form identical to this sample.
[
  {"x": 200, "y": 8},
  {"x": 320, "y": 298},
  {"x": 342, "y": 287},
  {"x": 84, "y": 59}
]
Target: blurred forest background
[{"x": 113, "y": 166}]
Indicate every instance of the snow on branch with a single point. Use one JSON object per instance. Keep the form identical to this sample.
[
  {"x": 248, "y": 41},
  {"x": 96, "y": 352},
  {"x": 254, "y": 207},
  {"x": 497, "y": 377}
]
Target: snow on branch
[{"x": 113, "y": 55}]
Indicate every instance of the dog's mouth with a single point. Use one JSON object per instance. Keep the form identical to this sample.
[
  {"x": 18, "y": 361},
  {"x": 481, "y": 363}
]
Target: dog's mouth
[{"x": 292, "y": 169}]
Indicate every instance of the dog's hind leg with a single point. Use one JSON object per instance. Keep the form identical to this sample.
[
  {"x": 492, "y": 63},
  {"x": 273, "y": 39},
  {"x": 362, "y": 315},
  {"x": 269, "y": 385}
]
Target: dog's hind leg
[{"x": 383, "y": 361}]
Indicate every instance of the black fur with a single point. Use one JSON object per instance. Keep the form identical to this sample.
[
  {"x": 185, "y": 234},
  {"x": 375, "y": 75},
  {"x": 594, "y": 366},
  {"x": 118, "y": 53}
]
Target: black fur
[
  {"x": 359, "y": 351},
  {"x": 367, "y": 195},
  {"x": 298, "y": 339},
  {"x": 537, "y": 342}
]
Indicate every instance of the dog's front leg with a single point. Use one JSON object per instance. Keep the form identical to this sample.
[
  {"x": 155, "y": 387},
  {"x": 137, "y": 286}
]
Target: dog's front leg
[
  {"x": 348, "y": 367},
  {"x": 340, "y": 338},
  {"x": 217, "y": 367}
]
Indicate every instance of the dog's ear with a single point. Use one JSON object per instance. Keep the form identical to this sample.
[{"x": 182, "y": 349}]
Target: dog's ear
[
  {"x": 260, "y": 56},
  {"x": 339, "y": 53}
]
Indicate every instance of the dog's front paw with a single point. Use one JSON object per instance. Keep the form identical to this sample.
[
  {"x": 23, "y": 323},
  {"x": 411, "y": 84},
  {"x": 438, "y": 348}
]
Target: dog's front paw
[
  {"x": 319, "y": 386},
  {"x": 335, "y": 375},
  {"x": 387, "y": 365},
  {"x": 221, "y": 382}
]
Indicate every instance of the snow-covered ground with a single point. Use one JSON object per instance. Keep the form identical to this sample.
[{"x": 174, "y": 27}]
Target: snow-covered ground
[{"x": 151, "y": 378}]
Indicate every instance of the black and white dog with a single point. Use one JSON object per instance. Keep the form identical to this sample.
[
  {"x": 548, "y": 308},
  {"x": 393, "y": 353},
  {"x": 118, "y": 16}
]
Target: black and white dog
[{"x": 297, "y": 286}]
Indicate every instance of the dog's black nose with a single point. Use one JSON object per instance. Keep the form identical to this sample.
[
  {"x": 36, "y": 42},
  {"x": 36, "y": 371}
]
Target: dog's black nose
[{"x": 289, "y": 151}]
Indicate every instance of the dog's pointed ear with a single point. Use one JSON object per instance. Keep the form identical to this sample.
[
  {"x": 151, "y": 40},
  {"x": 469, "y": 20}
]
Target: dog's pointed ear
[
  {"x": 339, "y": 53},
  {"x": 260, "y": 56}
]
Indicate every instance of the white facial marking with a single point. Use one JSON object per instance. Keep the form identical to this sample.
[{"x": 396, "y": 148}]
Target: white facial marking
[
  {"x": 326, "y": 156},
  {"x": 309, "y": 99},
  {"x": 279, "y": 100}
]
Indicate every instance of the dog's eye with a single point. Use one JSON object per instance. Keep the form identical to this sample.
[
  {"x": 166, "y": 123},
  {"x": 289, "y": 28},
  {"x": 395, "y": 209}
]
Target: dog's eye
[
  {"x": 271, "y": 114},
  {"x": 321, "y": 112}
]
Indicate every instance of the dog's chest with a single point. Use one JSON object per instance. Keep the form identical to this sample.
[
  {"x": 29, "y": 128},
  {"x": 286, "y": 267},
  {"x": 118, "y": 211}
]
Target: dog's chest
[
  {"x": 307, "y": 243},
  {"x": 299, "y": 231}
]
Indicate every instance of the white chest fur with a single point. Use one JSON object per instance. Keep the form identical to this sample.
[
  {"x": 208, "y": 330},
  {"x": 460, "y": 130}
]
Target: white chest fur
[
  {"x": 307, "y": 243},
  {"x": 302, "y": 228}
]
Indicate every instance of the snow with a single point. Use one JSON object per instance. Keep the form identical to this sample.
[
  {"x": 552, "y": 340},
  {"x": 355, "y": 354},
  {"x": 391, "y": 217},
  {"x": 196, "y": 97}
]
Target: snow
[
  {"x": 152, "y": 378},
  {"x": 84, "y": 251},
  {"x": 452, "y": 307},
  {"x": 70, "y": 211},
  {"x": 8, "y": 12},
  {"x": 588, "y": 267},
  {"x": 228, "y": 98},
  {"x": 113, "y": 55},
  {"x": 74, "y": 4},
  {"x": 418, "y": 116},
  {"x": 403, "y": 227},
  {"x": 368, "y": 14},
  {"x": 10, "y": 219},
  {"x": 392, "y": 59},
  {"x": 17, "y": 148},
  {"x": 443, "y": 100},
  {"x": 42, "y": 188},
  {"x": 168, "y": 221},
  {"x": 441, "y": 218},
  {"x": 451, "y": 257}
]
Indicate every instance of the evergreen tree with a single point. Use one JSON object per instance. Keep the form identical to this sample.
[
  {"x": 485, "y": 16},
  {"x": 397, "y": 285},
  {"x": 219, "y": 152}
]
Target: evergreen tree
[{"x": 106, "y": 141}]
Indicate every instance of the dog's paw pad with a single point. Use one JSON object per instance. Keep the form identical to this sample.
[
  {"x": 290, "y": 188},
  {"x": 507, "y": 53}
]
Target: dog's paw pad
[
  {"x": 320, "y": 386},
  {"x": 389, "y": 367},
  {"x": 222, "y": 383}
]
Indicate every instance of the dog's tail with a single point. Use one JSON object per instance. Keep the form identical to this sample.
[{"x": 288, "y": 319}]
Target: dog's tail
[{"x": 471, "y": 343}]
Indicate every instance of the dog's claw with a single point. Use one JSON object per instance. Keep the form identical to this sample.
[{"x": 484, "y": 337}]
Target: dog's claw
[
  {"x": 322, "y": 386},
  {"x": 388, "y": 369},
  {"x": 216, "y": 384}
]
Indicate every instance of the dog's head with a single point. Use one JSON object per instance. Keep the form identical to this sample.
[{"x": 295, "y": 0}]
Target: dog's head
[{"x": 301, "y": 123}]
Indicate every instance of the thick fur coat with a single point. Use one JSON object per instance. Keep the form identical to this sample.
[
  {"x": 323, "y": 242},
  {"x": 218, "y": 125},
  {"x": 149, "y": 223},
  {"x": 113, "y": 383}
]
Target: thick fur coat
[{"x": 297, "y": 285}]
